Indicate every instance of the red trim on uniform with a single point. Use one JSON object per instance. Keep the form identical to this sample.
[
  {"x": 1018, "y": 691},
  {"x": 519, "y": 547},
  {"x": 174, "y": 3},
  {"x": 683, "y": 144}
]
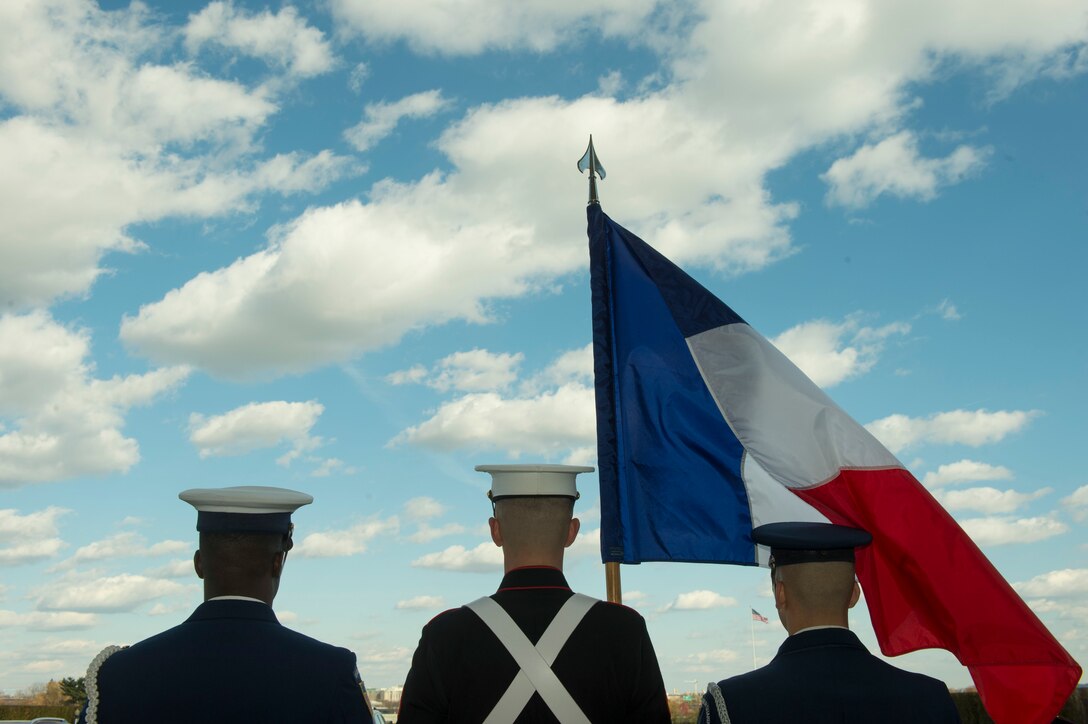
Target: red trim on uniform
[{"x": 535, "y": 588}]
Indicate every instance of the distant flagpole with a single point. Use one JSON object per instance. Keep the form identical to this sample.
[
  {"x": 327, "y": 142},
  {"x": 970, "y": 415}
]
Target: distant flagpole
[
  {"x": 590, "y": 162},
  {"x": 752, "y": 625}
]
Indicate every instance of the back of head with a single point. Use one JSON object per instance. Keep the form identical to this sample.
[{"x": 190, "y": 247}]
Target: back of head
[
  {"x": 534, "y": 525},
  {"x": 240, "y": 561},
  {"x": 819, "y": 590}
]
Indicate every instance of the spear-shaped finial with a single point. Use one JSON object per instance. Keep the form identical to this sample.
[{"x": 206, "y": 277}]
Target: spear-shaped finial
[{"x": 591, "y": 163}]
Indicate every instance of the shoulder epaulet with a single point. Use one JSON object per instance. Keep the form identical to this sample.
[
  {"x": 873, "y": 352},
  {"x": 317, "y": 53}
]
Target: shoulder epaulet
[{"x": 92, "y": 682}]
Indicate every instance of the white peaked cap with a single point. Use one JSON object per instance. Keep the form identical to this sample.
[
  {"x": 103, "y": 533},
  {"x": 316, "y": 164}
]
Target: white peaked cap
[
  {"x": 245, "y": 508},
  {"x": 520, "y": 481}
]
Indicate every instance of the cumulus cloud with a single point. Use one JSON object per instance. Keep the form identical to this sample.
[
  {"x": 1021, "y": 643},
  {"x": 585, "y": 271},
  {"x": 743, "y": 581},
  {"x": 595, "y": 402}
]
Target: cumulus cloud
[
  {"x": 1077, "y": 503},
  {"x": 282, "y": 39},
  {"x": 256, "y": 426},
  {"x": 347, "y": 542},
  {"x": 67, "y": 423},
  {"x": 475, "y": 370},
  {"x": 706, "y": 660},
  {"x": 121, "y": 545},
  {"x": 177, "y": 568},
  {"x": 1003, "y": 530},
  {"x": 990, "y": 501},
  {"x": 948, "y": 310},
  {"x": 434, "y": 26},
  {"x": 48, "y": 620},
  {"x": 818, "y": 348},
  {"x": 111, "y": 594},
  {"x": 550, "y": 413},
  {"x": 29, "y": 538},
  {"x": 700, "y": 601},
  {"x": 965, "y": 471},
  {"x": 1063, "y": 583},
  {"x": 381, "y": 118},
  {"x": 484, "y": 558},
  {"x": 421, "y": 603},
  {"x": 894, "y": 166},
  {"x": 102, "y": 136},
  {"x": 957, "y": 427}
]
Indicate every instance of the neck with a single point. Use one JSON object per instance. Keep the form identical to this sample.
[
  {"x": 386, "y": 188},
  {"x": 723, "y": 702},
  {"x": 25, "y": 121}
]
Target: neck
[
  {"x": 803, "y": 620},
  {"x": 527, "y": 560}
]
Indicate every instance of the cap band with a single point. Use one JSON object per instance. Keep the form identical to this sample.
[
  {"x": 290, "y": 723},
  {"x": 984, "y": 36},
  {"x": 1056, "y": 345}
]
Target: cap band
[{"x": 212, "y": 522}]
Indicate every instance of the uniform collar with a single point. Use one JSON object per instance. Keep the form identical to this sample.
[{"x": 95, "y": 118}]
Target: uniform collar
[
  {"x": 815, "y": 637},
  {"x": 534, "y": 577},
  {"x": 233, "y": 608}
]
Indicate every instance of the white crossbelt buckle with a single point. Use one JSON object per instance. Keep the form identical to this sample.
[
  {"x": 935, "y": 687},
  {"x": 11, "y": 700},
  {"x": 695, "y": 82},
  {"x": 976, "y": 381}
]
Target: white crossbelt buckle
[{"x": 535, "y": 661}]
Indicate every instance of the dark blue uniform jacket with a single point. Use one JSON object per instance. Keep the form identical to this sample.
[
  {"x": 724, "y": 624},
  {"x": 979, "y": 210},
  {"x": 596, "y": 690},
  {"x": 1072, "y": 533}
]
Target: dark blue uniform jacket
[
  {"x": 231, "y": 661},
  {"x": 827, "y": 675}
]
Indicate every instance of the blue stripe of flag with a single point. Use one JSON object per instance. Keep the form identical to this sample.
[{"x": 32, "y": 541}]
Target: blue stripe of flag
[{"x": 669, "y": 465}]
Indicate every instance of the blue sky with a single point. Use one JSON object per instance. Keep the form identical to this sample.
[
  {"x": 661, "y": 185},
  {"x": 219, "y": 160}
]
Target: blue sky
[{"x": 340, "y": 247}]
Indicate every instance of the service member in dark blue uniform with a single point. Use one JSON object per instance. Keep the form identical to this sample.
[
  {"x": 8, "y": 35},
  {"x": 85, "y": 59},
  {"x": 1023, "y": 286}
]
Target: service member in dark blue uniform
[
  {"x": 822, "y": 672},
  {"x": 231, "y": 661},
  {"x": 534, "y": 651}
]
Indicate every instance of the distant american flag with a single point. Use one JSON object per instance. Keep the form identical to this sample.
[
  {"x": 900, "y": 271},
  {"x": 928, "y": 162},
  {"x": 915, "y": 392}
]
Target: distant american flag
[{"x": 757, "y": 616}]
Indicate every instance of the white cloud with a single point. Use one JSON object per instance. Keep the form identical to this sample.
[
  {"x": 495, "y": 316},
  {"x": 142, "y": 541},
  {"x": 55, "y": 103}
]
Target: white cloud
[
  {"x": 103, "y": 137},
  {"x": 413, "y": 375},
  {"x": 484, "y": 558},
  {"x": 957, "y": 427},
  {"x": 990, "y": 501},
  {"x": 706, "y": 660},
  {"x": 1002, "y": 530},
  {"x": 44, "y": 665},
  {"x": 256, "y": 426},
  {"x": 29, "y": 538},
  {"x": 1077, "y": 503},
  {"x": 476, "y": 370},
  {"x": 1066, "y": 582},
  {"x": 547, "y": 424},
  {"x": 426, "y": 533},
  {"x": 42, "y": 524},
  {"x": 111, "y": 594},
  {"x": 423, "y": 508},
  {"x": 700, "y": 601},
  {"x": 818, "y": 349},
  {"x": 329, "y": 466},
  {"x": 381, "y": 118},
  {"x": 348, "y": 542},
  {"x": 121, "y": 545},
  {"x": 586, "y": 545},
  {"x": 70, "y": 646},
  {"x": 497, "y": 222},
  {"x": 178, "y": 568},
  {"x": 478, "y": 25},
  {"x": 48, "y": 621},
  {"x": 421, "y": 603},
  {"x": 67, "y": 423},
  {"x": 893, "y": 166},
  {"x": 948, "y": 311},
  {"x": 965, "y": 471},
  {"x": 282, "y": 39}
]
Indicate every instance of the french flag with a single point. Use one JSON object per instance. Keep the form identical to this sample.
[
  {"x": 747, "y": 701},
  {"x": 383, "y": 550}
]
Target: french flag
[{"x": 705, "y": 430}]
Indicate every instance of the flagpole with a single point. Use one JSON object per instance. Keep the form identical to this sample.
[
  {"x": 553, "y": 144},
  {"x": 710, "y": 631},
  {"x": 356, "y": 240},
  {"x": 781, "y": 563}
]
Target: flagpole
[
  {"x": 752, "y": 625},
  {"x": 590, "y": 162},
  {"x": 612, "y": 582}
]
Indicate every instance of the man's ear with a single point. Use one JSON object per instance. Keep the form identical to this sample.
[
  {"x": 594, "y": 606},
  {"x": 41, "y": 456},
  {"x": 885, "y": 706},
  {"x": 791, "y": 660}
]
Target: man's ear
[
  {"x": 198, "y": 565},
  {"x": 855, "y": 595},
  {"x": 277, "y": 563},
  {"x": 779, "y": 594},
  {"x": 572, "y": 532},
  {"x": 496, "y": 531}
]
